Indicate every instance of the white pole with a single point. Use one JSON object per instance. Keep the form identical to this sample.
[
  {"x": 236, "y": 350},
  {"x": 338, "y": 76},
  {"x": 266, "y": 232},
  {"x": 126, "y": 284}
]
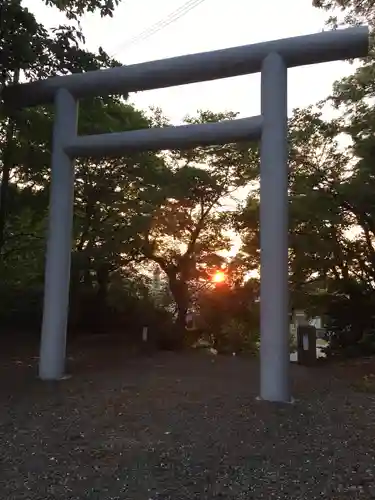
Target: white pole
[
  {"x": 274, "y": 321},
  {"x": 57, "y": 272}
]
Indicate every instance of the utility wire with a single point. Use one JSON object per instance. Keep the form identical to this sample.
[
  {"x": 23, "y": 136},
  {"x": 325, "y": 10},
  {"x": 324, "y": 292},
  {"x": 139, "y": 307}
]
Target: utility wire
[{"x": 163, "y": 23}]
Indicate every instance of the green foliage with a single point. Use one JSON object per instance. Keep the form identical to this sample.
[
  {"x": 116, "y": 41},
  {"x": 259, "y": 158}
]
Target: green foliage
[
  {"x": 127, "y": 308},
  {"x": 351, "y": 322},
  {"x": 235, "y": 337},
  {"x": 26, "y": 45},
  {"x": 331, "y": 227},
  {"x": 229, "y": 317},
  {"x": 185, "y": 232},
  {"x": 101, "y": 233},
  {"x": 332, "y": 213},
  {"x": 20, "y": 307},
  {"x": 76, "y": 8},
  {"x": 353, "y": 11}
]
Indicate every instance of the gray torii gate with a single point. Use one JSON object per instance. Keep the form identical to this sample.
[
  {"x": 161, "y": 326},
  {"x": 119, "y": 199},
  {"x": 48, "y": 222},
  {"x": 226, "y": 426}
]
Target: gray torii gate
[{"x": 272, "y": 59}]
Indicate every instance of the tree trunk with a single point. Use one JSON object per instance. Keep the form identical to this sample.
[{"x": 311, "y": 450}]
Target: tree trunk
[
  {"x": 100, "y": 315},
  {"x": 182, "y": 310},
  {"x": 102, "y": 277},
  {"x": 86, "y": 273},
  {"x": 179, "y": 290}
]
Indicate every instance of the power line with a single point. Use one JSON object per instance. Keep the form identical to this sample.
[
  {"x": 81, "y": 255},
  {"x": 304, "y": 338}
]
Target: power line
[{"x": 163, "y": 23}]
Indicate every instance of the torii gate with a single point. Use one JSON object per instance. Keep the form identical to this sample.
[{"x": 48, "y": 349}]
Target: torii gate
[{"x": 272, "y": 59}]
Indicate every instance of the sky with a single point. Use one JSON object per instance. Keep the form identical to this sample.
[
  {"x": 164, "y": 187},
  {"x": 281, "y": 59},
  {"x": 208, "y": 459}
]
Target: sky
[{"x": 212, "y": 25}]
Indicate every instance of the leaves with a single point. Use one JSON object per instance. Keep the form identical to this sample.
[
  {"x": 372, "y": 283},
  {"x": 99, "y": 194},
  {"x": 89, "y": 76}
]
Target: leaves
[
  {"x": 74, "y": 9},
  {"x": 355, "y": 11}
]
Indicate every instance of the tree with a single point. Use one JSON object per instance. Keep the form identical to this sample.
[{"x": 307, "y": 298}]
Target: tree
[
  {"x": 319, "y": 223},
  {"x": 106, "y": 201},
  {"x": 74, "y": 9},
  {"x": 185, "y": 228},
  {"x": 354, "y": 11},
  {"x": 353, "y": 96},
  {"x": 104, "y": 190},
  {"x": 27, "y": 47},
  {"x": 228, "y": 312}
]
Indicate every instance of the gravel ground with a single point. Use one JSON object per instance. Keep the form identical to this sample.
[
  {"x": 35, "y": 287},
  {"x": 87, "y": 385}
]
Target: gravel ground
[{"x": 183, "y": 426}]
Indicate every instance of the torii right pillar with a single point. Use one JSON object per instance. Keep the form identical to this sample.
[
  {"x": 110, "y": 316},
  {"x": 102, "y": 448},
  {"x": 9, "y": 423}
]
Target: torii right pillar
[{"x": 274, "y": 351}]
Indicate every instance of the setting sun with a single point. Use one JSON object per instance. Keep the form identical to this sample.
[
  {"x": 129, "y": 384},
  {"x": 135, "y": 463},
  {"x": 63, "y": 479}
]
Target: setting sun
[{"x": 218, "y": 277}]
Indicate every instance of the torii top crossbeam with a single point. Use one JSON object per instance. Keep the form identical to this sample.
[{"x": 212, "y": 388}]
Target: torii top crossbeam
[{"x": 297, "y": 51}]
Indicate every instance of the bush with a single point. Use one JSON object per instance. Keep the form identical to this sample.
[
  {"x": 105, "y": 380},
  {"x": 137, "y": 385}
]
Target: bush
[
  {"x": 122, "y": 312},
  {"x": 350, "y": 324},
  {"x": 235, "y": 337},
  {"x": 21, "y": 308},
  {"x": 229, "y": 319}
]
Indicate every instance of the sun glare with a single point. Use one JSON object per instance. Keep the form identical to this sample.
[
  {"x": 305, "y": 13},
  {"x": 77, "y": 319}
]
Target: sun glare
[{"x": 218, "y": 277}]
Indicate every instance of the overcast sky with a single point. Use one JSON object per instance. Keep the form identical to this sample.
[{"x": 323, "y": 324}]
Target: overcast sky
[{"x": 212, "y": 25}]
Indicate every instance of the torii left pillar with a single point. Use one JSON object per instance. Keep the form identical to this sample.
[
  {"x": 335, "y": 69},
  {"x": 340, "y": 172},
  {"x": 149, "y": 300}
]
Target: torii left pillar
[{"x": 59, "y": 242}]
